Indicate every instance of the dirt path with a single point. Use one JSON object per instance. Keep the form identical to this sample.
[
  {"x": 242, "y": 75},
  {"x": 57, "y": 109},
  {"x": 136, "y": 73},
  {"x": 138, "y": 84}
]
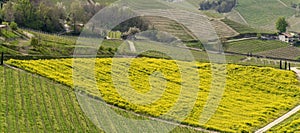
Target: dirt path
[
  {"x": 131, "y": 46},
  {"x": 236, "y": 40},
  {"x": 283, "y": 3},
  {"x": 242, "y": 18},
  {"x": 287, "y": 115}
]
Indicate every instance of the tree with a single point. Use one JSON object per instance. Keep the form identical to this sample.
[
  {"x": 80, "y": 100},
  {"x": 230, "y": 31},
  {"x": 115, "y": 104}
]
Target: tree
[
  {"x": 34, "y": 42},
  {"x": 77, "y": 14},
  {"x": 8, "y": 12},
  {"x": 13, "y": 26},
  {"x": 281, "y": 24},
  {"x": 258, "y": 35}
]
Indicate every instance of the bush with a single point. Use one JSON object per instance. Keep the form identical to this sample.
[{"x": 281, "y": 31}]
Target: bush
[
  {"x": 13, "y": 26},
  {"x": 34, "y": 42}
]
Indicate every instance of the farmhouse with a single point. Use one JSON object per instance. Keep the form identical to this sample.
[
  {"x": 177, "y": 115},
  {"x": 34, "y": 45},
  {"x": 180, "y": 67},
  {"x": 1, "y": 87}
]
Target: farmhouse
[
  {"x": 287, "y": 37},
  {"x": 2, "y": 26}
]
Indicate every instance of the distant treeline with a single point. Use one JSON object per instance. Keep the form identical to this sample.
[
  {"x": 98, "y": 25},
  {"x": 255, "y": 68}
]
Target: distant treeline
[{"x": 221, "y": 6}]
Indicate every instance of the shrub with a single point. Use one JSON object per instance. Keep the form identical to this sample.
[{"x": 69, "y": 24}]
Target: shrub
[
  {"x": 13, "y": 26},
  {"x": 34, "y": 42}
]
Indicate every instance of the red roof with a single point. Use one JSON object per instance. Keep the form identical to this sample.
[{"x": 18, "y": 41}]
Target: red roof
[{"x": 288, "y": 35}]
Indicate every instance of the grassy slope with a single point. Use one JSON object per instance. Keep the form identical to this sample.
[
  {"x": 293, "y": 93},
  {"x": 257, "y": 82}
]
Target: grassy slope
[
  {"x": 53, "y": 45},
  {"x": 263, "y": 13},
  {"x": 242, "y": 29},
  {"x": 254, "y": 46},
  {"x": 30, "y": 103},
  {"x": 253, "y": 96}
]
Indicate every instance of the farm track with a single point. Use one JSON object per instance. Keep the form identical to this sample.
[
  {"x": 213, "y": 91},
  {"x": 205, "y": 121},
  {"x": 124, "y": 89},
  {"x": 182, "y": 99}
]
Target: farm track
[
  {"x": 245, "y": 21},
  {"x": 279, "y": 120}
]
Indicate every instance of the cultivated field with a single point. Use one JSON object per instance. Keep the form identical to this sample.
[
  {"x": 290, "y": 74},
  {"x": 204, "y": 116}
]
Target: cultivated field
[
  {"x": 253, "y": 96},
  {"x": 285, "y": 52},
  {"x": 34, "y": 104}
]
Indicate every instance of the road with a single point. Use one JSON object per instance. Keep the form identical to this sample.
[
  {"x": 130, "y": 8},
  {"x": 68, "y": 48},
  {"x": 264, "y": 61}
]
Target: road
[{"x": 287, "y": 115}]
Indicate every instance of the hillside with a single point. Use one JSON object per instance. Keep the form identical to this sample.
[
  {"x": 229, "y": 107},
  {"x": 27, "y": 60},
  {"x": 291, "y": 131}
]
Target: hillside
[
  {"x": 32, "y": 103},
  {"x": 263, "y": 13},
  {"x": 253, "y": 96}
]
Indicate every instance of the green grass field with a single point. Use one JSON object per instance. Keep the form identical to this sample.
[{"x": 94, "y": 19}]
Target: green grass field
[
  {"x": 254, "y": 46},
  {"x": 254, "y": 96},
  {"x": 263, "y": 13},
  {"x": 242, "y": 29}
]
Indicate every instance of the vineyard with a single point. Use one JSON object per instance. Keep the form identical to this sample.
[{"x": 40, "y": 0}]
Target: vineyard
[
  {"x": 34, "y": 104},
  {"x": 254, "y": 46},
  {"x": 253, "y": 96},
  {"x": 285, "y": 52}
]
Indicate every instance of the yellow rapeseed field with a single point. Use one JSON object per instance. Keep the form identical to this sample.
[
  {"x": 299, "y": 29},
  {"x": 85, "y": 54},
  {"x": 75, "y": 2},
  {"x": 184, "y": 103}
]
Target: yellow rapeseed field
[{"x": 253, "y": 96}]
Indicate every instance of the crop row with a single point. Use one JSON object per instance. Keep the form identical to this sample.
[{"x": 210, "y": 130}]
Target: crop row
[{"x": 34, "y": 104}]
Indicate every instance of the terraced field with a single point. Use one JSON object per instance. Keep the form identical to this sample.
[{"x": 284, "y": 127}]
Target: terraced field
[
  {"x": 172, "y": 27},
  {"x": 223, "y": 30},
  {"x": 254, "y": 46},
  {"x": 253, "y": 96}
]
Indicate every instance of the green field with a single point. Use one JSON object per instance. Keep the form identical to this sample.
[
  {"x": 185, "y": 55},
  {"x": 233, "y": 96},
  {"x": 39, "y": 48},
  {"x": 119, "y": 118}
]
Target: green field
[
  {"x": 242, "y": 29},
  {"x": 263, "y": 13},
  {"x": 288, "y": 2},
  {"x": 290, "y": 125},
  {"x": 31, "y": 103},
  {"x": 253, "y": 97},
  {"x": 290, "y": 52},
  {"x": 254, "y": 46}
]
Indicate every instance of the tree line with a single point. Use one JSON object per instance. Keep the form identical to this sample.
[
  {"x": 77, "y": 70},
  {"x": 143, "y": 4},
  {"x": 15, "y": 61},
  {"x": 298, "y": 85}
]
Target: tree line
[
  {"x": 46, "y": 15},
  {"x": 221, "y": 6}
]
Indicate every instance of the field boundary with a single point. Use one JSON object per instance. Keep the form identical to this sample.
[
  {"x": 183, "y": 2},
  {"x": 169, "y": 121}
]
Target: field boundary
[{"x": 279, "y": 120}]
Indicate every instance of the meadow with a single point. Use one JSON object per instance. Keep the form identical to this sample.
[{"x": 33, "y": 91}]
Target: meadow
[
  {"x": 253, "y": 97},
  {"x": 263, "y": 13},
  {"x": 254, "y": 46}
]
